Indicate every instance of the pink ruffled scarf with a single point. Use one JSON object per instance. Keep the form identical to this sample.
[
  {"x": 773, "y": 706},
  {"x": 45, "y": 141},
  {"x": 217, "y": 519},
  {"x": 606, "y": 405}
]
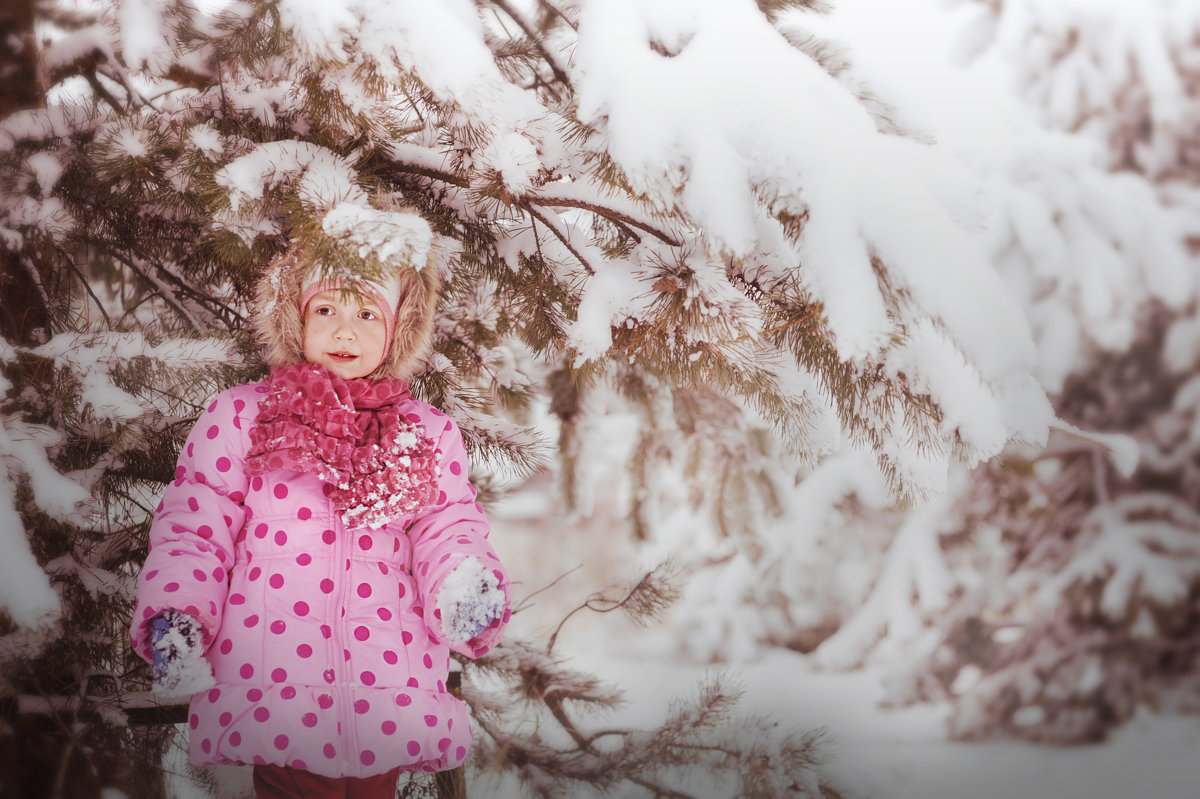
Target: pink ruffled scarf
[{"x": 376, "y": 464}]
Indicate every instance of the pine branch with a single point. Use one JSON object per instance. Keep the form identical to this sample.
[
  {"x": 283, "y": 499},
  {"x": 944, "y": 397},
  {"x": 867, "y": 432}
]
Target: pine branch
[
  {"x": 561, "y": 234},
  {"x": 87, "y": 287},
  {"x": 645, "y": 600},
  {"x": 552, "y": 10},
  {"x": 560, "y": 199},
  {"x": 103, "y": 93},
  {"x": 526, "y": 601},
  {"x": 161, "y": 289},
  {"x": 559, "y": 73}
]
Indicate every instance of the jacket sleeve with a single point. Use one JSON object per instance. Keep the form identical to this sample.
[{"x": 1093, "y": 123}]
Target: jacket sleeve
[
  {"x": 192, "y": 536},
  {"x": 450, "y": 531}
]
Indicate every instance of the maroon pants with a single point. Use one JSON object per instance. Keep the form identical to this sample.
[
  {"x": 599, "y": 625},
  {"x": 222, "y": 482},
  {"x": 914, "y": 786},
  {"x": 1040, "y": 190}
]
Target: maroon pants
[{"x": 281, "y": 782}]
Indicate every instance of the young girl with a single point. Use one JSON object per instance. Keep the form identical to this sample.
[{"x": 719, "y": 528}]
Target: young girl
[{"x": 322, "y": 550}]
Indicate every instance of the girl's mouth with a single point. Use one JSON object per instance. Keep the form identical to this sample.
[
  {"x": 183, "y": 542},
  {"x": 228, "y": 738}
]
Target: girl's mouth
[{"x": 342, "y": 356}]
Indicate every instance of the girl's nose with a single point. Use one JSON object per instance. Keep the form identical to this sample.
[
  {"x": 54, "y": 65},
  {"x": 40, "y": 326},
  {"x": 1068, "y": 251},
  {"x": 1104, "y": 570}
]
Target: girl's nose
[{"x": 344, "y": 331}]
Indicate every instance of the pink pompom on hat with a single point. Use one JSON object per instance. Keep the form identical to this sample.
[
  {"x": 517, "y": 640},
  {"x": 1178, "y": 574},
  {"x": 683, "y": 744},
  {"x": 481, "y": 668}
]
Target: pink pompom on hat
[{"x": 387, "y": 297}]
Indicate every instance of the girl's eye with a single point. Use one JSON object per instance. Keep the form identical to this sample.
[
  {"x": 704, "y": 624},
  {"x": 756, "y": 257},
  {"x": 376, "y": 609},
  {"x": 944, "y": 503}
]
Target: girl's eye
[
  {"x": 324, "y": 310},
  {"x": 367, "y": 315}
]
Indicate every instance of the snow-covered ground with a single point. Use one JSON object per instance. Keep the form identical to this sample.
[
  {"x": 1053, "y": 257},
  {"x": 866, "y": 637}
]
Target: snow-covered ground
[
  {"x": 903, "y": 754},
  {"x": 872, "y": 751}
]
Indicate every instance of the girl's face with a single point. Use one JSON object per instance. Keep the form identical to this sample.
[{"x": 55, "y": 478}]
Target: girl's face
[{"x": 345, "y": 334}]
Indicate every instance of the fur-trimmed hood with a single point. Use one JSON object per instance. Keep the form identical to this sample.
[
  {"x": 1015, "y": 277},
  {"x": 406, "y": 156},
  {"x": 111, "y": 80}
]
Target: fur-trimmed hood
[{"x": 279, "y": 326}]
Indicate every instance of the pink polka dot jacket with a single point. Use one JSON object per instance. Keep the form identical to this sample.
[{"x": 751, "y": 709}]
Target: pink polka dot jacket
[{"x": 325, "y": 640}]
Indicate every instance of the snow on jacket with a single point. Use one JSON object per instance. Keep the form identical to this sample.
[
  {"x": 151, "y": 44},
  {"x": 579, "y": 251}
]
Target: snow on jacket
[{"x": 326, "y": 647}]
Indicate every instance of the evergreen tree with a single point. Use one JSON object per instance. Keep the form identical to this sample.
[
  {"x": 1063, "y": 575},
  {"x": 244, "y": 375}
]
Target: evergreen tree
[
  {"x": 767, "y": 265},
  {"x": 1093, "y": 613},
  {"x": 1048, "y": 593}
]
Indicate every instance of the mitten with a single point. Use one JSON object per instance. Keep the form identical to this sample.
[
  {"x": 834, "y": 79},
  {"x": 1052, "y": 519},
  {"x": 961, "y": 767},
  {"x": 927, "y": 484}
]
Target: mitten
[
  {"x": 177, "y": 652},
  {"x": 470, "y": 601}
]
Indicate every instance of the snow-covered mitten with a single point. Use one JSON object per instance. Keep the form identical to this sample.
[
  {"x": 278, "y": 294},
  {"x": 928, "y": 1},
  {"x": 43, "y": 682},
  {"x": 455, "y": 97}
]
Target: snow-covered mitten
[
  {"x": 177, "y": 649},
  {"x": 470, "y": 600}
]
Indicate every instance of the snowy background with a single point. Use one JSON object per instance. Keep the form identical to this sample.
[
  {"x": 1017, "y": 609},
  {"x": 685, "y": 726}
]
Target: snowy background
[
  {"x": 875, "y": 751},
  {"x": 1001, "y": 205},
  {"x": 915, "y": 57}
]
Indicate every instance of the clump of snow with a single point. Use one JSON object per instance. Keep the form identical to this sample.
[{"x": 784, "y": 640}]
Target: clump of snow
[
  {"x": 132, "y": 142},
  {"x": 515, "y": 159},
  {"x": 35, "y": 125},
  {"x": 25, "y": 590},
  {"x": 469, "y": 600},
  {"x": 180, "y": 666},
  {"x": 318, "y": 26},
  {"x": 69, "y": 48},
  {"x": 325, "y": 178},
  {"x": 939, "y": 369},
  {"x": 441, "y": 42},
  {"x": 606, "y": 297},
  {"x": 46, "y": 170},
  {"x": 145, "y": 38},
  {"x": 401, "y": 238},
  {"x": 47, "y": 216},
  {"x": 1181, "y": 350},
  {"x": 25, "y": 448},
  {"x": 205, "y": 138}
]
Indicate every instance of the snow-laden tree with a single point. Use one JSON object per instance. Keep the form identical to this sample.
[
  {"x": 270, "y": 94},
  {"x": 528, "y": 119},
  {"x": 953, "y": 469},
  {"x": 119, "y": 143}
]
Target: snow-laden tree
[
  {"x": 1048, "y": 593},
  {"x": 681, "y": 205},
  {"x": 1093, "y": 610}
]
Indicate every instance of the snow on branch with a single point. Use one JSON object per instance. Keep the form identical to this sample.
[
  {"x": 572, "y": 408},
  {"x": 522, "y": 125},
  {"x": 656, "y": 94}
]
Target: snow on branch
[
  {"x": 880, "y": 218},
  {"x": 323, "y": 177},
  {"x": 914, "y": 567},
  {"x": 25, "y": 591},
  {"x": 402, "y": 238},
  {"x": 425, "y": 161},
  {"x": 91, "y": 356},
  {"x": 1136, "y": 552}
]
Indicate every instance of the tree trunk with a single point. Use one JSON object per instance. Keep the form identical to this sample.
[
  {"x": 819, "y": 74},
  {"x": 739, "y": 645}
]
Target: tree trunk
[{"x": 23, "y": 312}]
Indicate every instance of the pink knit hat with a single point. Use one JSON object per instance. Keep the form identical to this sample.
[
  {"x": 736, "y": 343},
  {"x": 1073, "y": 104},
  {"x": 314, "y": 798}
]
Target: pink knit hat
[{"x": 387, "y": 297}]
